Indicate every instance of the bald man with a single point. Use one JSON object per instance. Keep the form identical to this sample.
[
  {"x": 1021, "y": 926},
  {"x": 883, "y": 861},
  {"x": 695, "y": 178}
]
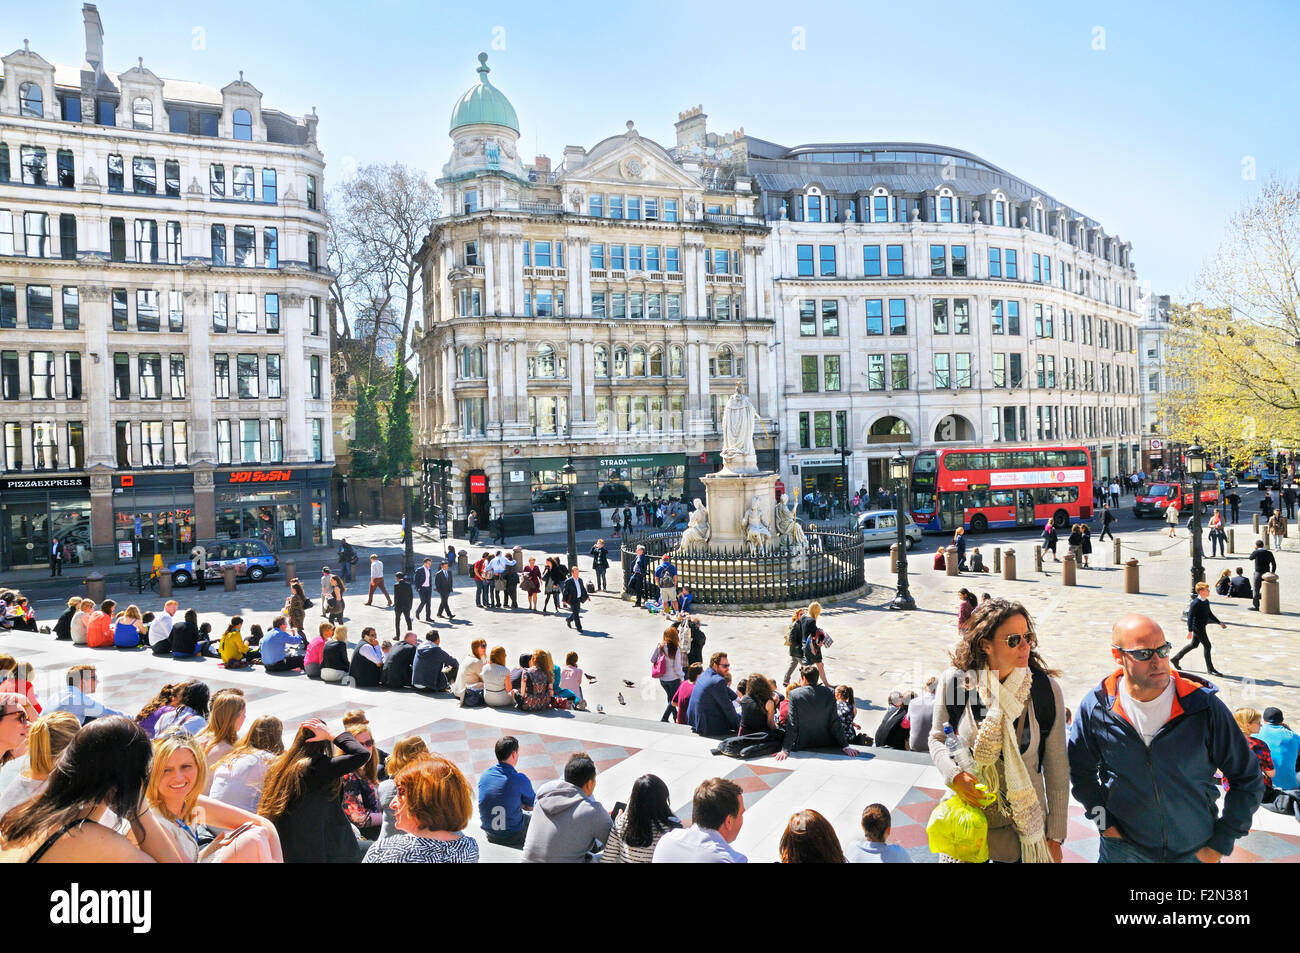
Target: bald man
[{"x": 1143, "y": 751}]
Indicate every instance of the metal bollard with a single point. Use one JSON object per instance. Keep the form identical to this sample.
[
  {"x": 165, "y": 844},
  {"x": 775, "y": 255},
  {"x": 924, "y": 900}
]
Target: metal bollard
[
  {"x": 1038, "y": 559},
  {"x": 1254, "y": 523},
  {"x": 893, "y": 559},
  {"x": 1131, "y": 576},
  {"x": 1067, "y": 570},
  {"x": 950, "y": 556},
  {"x": 1268, "y": 539},
  {"x": 1269, "y": 595},
  {"x": 1117, "y": 556},
  {"x": 518, "y": 557},
  {"x": 1009, "y": 566},
  {"x": 228, "y": 575},
  {"x": 94, "y": 583},
  {"x": 997, "y": 558},
  {"x": 462, "y": 562},
  {"x": 1232, "y": 541},
  {"x": 290, "y": 569},
  {"x": 165, "y": 584}
]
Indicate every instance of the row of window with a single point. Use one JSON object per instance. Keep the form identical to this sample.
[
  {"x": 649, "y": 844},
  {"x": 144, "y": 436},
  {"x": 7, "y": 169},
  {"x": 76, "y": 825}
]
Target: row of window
[
  {"x": 636, "y": 305},
  {"x": 1010, "y": 424},
  {"x": 815, "y": 429},
  {"x": 31, "y": 102},
  {"x": 633, "y": 207},
  {"x": 547, "y": 362},
  {"x": 33, "y": 166},
  {"x": 34, "y": 234}
]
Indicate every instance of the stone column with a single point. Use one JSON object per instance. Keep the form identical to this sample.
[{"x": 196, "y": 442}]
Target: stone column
[
  {"x": 98, "y": 382},
  {"x": 205, "y": 517},
  {"x": 294, "y": 376},
  {"x": 101, "y": 516},
  {"x": 491, "y": 304}
]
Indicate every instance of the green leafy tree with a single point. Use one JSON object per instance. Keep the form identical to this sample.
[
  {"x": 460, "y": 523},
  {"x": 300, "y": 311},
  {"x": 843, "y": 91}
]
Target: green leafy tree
[
  {"x": 398, "y": 453},
  {"x": 367, "y": 445}
]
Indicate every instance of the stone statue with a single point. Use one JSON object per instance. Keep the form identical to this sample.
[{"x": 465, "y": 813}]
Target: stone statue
[
  {"x": 696, "y": 536},
  {"x": 785, "y": 210},
  {"x": 788, "y": 531},
  {"x": 848, "y": 215},
  {"x": 738, "y": 435},
  {"x": 757, "y": 536}
]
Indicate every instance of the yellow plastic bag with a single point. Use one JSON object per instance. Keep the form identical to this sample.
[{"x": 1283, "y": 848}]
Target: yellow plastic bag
[{"x": 959, "y": 830}]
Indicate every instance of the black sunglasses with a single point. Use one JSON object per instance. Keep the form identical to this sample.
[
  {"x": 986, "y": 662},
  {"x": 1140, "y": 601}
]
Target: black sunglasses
[
  {"x": 1144, "y": 655},
  {"x": 1014, "y": 640}
]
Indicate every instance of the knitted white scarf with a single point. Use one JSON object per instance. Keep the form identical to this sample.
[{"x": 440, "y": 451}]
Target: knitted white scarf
[{"x": 997, "y": 739}]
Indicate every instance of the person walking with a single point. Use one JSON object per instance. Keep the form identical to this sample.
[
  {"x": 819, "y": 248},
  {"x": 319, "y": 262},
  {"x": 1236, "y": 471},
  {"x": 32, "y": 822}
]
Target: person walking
[
  {"x": 1234, "y": 502},
  {"x": 1199, "y": 615},
  {"x": 1049, "y": 539},
  {"x": 1086, "y": 531},
  {"x": 1264, "y": 563},
  {"x": 471, "y": 527},
  {"x": 497, "y": 566},
  {"x": 1218, "y": 538},
  {"x": 575, "y": 594},
  {"x": 636, "y": 576},
  {"x": 600, "y": 564},
  {"x": 959, "y": 540},
  {"x": 403, "y": 596},
  {"x": 499, "y": 530},
  {"x": 1274, "y": 529},
  {"x": 1114, "y": 493},
  {"x": 199, "y": 563},
  {"x": 1289, "y": 498},
  {"x": 57, "y": 554},
  {"x": 424, "y": 586},
  {"x": 347, "y": 559},
  {"x": 1144, "y": 747},
  {"x": 1171, "y": 517},
  {"x": 1107, "y": 520},
  {"x": 1266, "y": 504},
  {"x": 666, "y": 577},
  {"x": 442, "y": 582},
  {"x": 377, "y": 581},
  {"x": 511, "y": 576},
  {"x": 1075, "y": 544}
]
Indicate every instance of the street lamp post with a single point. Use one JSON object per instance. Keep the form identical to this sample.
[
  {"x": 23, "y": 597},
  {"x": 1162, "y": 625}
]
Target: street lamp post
[
  {"x": 569, "y": 477},
  {"x": 899, "y": 470},
  {"x": 844, "y": 476},
  {"x": 408, "y": 483},
  {"x": 1196, "y": 469}
]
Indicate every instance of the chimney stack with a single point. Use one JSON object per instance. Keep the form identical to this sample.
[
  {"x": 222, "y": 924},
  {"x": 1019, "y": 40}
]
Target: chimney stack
[
  {"x": 94, "y": 37},
  {"x": 542, "y": 164}
]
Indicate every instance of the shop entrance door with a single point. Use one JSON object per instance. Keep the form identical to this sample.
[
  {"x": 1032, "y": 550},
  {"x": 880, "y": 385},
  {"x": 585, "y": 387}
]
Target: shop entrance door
[
  {"x": 477, "y": 498},
  {"x": 28, "y": 529}
]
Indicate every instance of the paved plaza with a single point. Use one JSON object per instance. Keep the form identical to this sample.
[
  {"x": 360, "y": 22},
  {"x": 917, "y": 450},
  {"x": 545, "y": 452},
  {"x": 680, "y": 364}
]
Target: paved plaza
[{"x": 875, "y": 650}]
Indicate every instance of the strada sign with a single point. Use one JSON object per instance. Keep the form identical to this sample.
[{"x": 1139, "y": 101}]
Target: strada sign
[{"x": 261, "y": 476}]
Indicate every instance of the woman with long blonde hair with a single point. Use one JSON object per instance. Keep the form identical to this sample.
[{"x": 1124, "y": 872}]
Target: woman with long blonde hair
[
  {"x": 48, "y": 736},
  {"x": 301, "y": 795},
  {"x": 238, "y": 777},
  {"x": 221, "y": 734},
  {"x": 178, "y": 774},
  {"x": 406, "y": 751},
  {"x": 536, "y": 684}
]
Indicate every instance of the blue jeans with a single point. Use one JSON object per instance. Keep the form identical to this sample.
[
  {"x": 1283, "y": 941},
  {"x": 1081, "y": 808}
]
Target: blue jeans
[{"x": 1116, "y": 850}]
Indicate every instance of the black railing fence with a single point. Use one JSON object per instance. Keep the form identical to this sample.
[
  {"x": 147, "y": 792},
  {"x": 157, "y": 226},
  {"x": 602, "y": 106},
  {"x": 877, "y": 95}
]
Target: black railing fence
[{"x": 831, "y": 565}]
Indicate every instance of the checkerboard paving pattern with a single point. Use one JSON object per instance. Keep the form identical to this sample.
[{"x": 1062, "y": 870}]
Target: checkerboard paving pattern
[
  {"x": 754, "y": 780},
  {"x": 129, "y": 691},
  {"x": 542, "y": 757}
]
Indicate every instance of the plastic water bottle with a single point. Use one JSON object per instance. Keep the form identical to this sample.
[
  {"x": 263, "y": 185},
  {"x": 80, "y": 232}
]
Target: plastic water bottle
[{"x": 957, "y": 749}]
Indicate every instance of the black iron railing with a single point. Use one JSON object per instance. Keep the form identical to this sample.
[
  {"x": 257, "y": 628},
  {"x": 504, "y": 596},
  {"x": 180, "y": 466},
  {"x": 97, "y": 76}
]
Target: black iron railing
[{"x": 832, "y": 564}]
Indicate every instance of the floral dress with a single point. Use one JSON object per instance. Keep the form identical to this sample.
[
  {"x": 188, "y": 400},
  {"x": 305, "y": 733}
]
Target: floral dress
[
  {"x": 361, "y": 805},
  {"x": 534, "y": 690}
]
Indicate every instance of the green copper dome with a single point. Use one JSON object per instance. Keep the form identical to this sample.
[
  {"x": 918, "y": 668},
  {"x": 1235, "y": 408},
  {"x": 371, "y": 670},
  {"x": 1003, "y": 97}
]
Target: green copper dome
[{"x": 484, "y": 103}]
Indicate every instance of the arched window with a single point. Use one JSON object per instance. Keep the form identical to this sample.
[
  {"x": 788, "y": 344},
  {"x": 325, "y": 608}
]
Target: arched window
[
  {"x": 31, "y": 101},
  {"x": 638, "y": 361},
  {"x": 725, "y": 364},
  {"x": 656, "y": 361},
  {"x": 620, "y": 361},
  {"x": 544, "y": 363},
  {"x": 141, "y": 113},
  {"x": 675, "y": 361},
  {"x": 602, "y": 360},
  {"x": 889, "y": 430},
  {"x": 471, "y": 362},
  {"x": 243, "y": 125}
]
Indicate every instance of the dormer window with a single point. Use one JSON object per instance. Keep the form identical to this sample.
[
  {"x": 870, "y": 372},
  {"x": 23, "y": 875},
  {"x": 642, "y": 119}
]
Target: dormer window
[
  {"x": 999, "y": 212},
  {"x": 243, "y": 125},
  {"x": 945, "y": 208},
  {"x": 31, "y": 101},
  {"x": 813, "y": 206},
  {"x": 880, "y": 207},
  {"x": 142, "y": 113}
]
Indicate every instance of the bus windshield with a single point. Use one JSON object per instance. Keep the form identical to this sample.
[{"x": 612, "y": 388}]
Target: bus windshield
[{"x": 924, "y": 468}]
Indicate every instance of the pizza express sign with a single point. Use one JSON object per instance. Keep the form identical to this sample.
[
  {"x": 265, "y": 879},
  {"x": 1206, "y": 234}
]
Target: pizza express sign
[
  {"x": 260, "y": 476},
  {"x": 44, "y": 483}
]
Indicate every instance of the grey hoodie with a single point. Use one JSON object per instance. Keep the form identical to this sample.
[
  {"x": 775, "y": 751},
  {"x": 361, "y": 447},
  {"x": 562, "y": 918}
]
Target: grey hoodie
[{"x": 565, "y": 825}]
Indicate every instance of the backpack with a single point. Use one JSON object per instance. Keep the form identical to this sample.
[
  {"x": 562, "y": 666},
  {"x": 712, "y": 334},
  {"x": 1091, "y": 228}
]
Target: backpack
[{"x": 1040, "y": 696}]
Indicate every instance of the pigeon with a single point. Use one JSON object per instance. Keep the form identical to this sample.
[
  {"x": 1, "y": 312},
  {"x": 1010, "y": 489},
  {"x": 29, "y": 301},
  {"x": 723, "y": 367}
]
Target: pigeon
[
  {"x": 600, "y": 709},
  {"x": 629, "y": 684},
  {"x": 620, "y": 699}
]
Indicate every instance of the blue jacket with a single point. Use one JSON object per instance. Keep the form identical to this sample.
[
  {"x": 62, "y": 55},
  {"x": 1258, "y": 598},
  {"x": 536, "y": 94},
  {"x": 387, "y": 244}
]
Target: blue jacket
[
  {"x": 503, "y": 793},
  {"x": 1163, "y": 798},
  {"x": 275, "y": 645},
  {"x": 427, "y": 669},
  {"x": 1284, "y": 746},
  {"x": 710, "y": 711}
]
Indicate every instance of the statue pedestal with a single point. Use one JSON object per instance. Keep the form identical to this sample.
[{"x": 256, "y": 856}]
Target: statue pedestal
[{"x": 729, "y": 496}]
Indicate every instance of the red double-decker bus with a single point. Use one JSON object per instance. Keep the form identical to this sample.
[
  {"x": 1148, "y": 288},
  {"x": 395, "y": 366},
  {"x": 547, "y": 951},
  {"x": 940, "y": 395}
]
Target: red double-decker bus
[{"x": 1000, "y": 488}]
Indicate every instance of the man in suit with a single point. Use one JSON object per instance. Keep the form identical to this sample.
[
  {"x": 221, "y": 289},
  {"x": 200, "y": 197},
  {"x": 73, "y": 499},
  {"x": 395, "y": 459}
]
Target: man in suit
[
  {"x": 402, "y": 599},
  {"x": 710, "y": 711},
  {"x": 424, "y": 586},
  {"x": 400, "y": 662},
  {"x": 56, "y": 557},
  {"x": 1264, "y": 563},
  {"x": 1199, "y": 616},
  {"x": 433, "y": 670},
  {"x": 813, "y": 721},
  {"x": 636, "y": 577},
  {"x": 574, "y": 594},
  {"x": 442, "y": 582}
]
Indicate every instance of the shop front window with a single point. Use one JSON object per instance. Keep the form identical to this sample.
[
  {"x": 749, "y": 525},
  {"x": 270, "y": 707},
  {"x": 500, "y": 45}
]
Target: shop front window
[{"x": 622, "y": 485}]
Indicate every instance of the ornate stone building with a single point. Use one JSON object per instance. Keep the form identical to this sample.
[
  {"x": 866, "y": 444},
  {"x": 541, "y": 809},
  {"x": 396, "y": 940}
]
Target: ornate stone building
[
  {"x": 602, "y": 311},
  {"x": 164, "y": 362}
]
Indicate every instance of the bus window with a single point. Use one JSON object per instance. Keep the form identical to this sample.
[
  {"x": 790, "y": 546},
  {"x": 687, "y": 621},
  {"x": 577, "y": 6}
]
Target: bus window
[
  {"x": 1055, "y": 458},
  {"x": 1078, "y": 458},
  {"x": 1002, "y": 498},
  {"x": 955, "y": 462},
  {"x": 1001, "y": 461},
  {"x": 1057, "y": 494},
  {"x": 977, "y": 461}
]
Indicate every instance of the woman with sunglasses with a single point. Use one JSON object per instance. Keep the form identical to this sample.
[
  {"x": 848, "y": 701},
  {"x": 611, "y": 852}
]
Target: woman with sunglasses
[
  {"x": 16, "y": 718},
  {"x": 1006, "y": 708},
  {"x": 360, "y": 792}
]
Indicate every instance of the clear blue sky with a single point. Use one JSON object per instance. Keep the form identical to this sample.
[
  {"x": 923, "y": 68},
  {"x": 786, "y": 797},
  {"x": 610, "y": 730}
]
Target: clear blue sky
[{"x": 1147, "y": 135}]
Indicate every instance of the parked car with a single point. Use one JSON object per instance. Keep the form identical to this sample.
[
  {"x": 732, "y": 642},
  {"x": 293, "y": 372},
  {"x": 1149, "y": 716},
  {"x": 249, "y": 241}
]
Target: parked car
[
  {"x": 880, "y": 529},
  {"x": 253, "y": 560}
]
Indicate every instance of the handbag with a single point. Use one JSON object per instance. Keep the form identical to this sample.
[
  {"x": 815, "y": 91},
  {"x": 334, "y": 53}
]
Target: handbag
[
  {"x": 307, "y": 604},
  {"x": 501, "y": 583},
  {"x": 659, "y": 664}
]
